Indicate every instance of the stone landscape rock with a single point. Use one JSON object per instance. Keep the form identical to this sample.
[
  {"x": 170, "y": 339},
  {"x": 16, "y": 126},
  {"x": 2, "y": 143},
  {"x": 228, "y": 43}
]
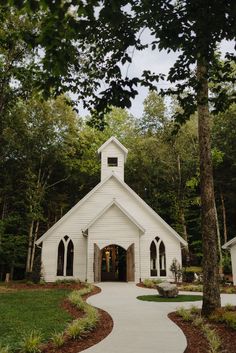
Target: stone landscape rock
[{"x": 167, "y": 290}]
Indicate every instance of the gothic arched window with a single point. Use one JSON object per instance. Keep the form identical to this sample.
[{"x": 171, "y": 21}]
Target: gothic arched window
[
  {"x": 162, "y": 259},
  {"x": 60, "y": 258},
  {"x": 65, "y": 257},
  {"x": 157, "y": 258},
  {"x": 153, "y": 257},
  {"x": 70, "y": 259}
]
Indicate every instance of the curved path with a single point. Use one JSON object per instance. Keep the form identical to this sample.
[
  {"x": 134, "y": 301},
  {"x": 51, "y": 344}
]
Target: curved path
[{"x": 140, "y": 327}]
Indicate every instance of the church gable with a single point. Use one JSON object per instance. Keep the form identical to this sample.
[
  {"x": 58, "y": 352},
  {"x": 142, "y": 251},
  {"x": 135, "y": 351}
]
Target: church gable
[
  {"x": 113, "y": 224},
  {"x": 117, "y": 215}
]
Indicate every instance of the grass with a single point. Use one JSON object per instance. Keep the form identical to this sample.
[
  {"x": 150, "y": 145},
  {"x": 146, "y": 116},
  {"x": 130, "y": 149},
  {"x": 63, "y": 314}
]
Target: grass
[
  {"x": 24, "y": 311},
  {"x": 196, "y": 269},
  {"x": 179, "y": 298}
]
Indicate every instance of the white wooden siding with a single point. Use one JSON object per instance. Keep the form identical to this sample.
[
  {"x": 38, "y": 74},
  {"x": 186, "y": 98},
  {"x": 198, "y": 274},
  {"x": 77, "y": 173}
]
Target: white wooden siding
[
  {"x": 112, "y": 150},
  {"x": 73, "y": 225},
  {"x": 114, "y": 227},
  {"x": 233, "y": 260}
]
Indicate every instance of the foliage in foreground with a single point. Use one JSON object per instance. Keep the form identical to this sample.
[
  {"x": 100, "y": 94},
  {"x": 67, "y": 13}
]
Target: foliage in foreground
[
  {"x": 226, "y": 315},
  {"x": 31, "y": 342},
  {"x": 193, "y": 315},
  {"x": 4, "y": 349},
  {"x": 58, "y": 339},
  {"x": 79, "y": 327}
]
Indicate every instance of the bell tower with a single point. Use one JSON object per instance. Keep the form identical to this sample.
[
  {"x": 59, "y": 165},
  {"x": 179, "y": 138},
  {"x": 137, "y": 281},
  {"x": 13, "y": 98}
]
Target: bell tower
[{"x": 113, "y": 156}]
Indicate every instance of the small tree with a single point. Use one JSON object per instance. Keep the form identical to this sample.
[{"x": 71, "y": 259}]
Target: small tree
[{"x": 176, "y": 270}]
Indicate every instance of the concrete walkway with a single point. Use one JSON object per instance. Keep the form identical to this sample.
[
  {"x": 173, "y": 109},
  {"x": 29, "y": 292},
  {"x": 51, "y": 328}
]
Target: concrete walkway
[{"x": 140, "y": 327}]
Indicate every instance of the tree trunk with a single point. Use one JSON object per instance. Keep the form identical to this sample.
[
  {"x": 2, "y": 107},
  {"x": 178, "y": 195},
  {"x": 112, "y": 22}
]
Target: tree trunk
[
  {"x": 181, "y": 206},
  {"x": 211, "y": 289},
  {"x": 219, "y": 243},
  {"x": 224, "y": 217},
  {"x": 35, "y": 237},
  {"x": 30, "y": 244}
]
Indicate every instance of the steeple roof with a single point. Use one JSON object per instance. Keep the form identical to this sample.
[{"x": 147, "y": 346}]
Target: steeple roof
[{"x": 114, "y": 140}]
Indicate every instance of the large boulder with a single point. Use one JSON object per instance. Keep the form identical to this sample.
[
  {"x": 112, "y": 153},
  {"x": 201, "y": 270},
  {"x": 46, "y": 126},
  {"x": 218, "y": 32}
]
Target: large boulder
[{"x": 167, "y": 290}]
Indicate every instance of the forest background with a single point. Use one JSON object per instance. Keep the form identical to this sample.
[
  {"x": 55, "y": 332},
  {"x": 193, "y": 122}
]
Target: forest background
[
  {"x": 49, "y": 162},
  {"x": 48, "y": 153}
]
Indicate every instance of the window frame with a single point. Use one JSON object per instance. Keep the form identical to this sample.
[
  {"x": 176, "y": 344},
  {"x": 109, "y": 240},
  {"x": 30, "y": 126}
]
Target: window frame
[{"x": 112, "y": 161}]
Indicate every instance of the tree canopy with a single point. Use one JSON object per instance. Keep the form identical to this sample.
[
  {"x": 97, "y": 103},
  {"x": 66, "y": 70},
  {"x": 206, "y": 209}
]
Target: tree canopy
[{"x": 82, "y": 47}]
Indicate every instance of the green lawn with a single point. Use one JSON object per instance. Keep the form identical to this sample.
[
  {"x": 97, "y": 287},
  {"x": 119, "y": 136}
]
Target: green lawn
[
  {"x": 179, "y": 298},
  {"x": 23, "y": 311}
]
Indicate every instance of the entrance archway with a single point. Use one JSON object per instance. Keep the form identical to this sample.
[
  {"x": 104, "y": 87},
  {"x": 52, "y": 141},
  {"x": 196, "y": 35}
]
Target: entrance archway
[{"x": 113, "y": 263}]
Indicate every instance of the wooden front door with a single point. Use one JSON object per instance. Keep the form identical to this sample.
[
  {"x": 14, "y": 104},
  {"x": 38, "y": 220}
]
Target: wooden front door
[
  {"x": 130, "y": 263},
  {"x": 97, "y": 264}
]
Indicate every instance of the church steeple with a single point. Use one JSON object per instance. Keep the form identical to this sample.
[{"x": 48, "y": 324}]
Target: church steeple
[{"x": 113, "y": 157}]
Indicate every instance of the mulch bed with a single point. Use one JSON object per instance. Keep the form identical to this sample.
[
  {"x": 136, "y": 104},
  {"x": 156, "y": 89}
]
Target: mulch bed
[
  {"x": 196, "y": 341},
  {"x": 102, "y": 330},
  {"x": 23, "y": 286}
]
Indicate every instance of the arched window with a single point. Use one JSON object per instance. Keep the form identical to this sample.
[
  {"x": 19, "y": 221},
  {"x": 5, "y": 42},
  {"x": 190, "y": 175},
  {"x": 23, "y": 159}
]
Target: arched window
[
  {"x": 153, "y": 256},
  {"x": 60, "y": 258},
  {"x": 162, "y": 259},
  {"x": 70, "y": 259},
  {"x": 65, "y": 257},
  {"x": 157, "y": 258}
]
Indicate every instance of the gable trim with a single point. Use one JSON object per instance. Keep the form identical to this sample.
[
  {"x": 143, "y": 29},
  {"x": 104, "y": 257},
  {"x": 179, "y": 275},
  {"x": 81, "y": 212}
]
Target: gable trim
[
  {"x": 73, "y": 209},
  {"x": 229, "y": 244},
  {"x": 132, "y": 192},
  {"x": 123, "y": 210},
  {"x": 113, "y": 139},
  {"x": 150, "y": 210}
]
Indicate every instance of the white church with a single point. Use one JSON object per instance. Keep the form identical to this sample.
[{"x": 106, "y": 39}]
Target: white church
[{"x": 111, "y": 234}]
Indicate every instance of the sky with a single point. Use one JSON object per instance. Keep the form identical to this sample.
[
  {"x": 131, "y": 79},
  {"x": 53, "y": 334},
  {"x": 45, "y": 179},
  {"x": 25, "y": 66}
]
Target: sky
[{"x": 157, "y": 62}]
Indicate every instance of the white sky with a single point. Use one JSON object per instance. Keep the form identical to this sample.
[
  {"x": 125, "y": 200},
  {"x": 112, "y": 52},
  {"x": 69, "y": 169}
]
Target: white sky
[{"x": 157, "y": 62}]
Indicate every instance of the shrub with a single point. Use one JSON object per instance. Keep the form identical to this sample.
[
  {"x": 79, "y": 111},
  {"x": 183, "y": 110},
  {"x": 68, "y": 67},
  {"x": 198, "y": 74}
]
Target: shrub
[
  {"x": 192, "y": 288},
  {"x": 230, "y": 319},
  {"x": 229, "y": 290},
  {"x": 78, "y": 327},
  {"x": 229, "y": 307},
  {"x": 194, "y": 309},
  {"x": 149, "y": 283},
  {"x": 188, "y": 276},
  {"x": 58, "y": 339},
  {"x": 198, "y": 321},
  {"x": 176, "y": 270},
  {"x": 76, "y": 300},
  {"x": 212, "y": 338},
  {"x": 31, "y": 342},
  {"x": 185, "y": 314},
  {"x": 217, "y": 315},
  {"x": 92, "y": 315},
  {"x": 88, "y": 289},
  {"x": 75, "y": 329},
  {"x": 227, "y": 266},
  {"x": 4, "y": 349}
]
